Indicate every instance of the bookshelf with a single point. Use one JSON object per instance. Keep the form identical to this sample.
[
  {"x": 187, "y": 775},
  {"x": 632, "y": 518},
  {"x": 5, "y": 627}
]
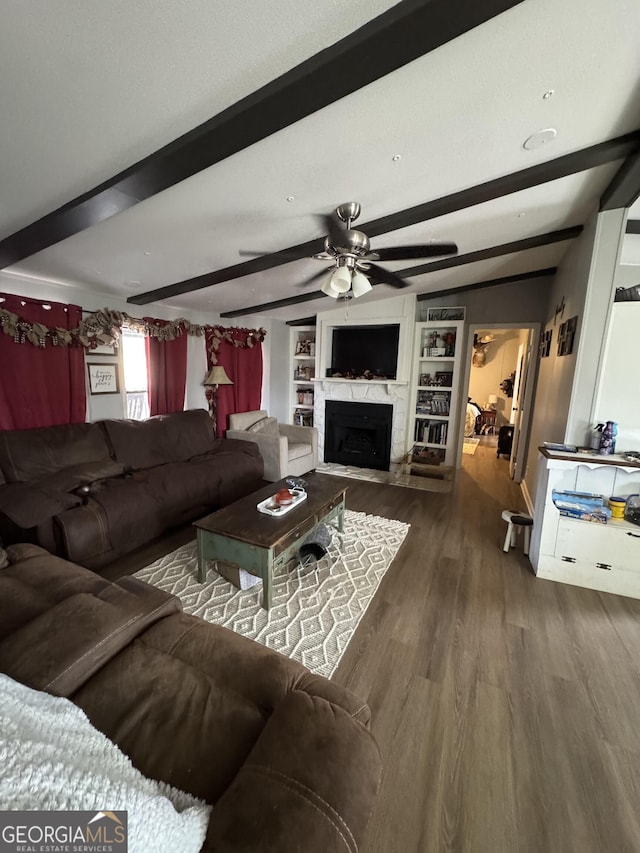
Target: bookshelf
[
  {"x": 302, "y": 364},
  {"x": 434, "y": 397}
]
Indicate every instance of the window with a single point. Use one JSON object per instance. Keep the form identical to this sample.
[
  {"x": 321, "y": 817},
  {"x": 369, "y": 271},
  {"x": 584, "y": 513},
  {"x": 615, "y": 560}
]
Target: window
[{"x": 134, "y": 358}]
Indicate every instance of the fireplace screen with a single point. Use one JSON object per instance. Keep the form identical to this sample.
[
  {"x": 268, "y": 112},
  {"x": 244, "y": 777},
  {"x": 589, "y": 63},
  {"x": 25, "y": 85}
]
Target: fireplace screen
[{"x": 358, "y": 434}]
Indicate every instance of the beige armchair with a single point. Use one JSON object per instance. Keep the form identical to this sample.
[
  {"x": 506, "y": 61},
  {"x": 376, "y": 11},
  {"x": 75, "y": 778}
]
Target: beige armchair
[{"x": 287, "y": 450}]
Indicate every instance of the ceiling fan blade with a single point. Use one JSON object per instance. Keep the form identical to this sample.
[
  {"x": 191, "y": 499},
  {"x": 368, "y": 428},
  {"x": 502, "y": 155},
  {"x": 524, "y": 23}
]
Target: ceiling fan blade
[
  {"x": 315, "y": 277},
  {"x": 426, "y": 250},
  {"x": 379, "y": 275}
]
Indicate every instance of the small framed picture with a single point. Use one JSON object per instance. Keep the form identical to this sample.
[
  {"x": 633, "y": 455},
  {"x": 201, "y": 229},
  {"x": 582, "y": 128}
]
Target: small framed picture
[
  {"x": 446, "y": 313},
  {"x": 103, "y": 378},
  {"x": 104, "y": 349}
]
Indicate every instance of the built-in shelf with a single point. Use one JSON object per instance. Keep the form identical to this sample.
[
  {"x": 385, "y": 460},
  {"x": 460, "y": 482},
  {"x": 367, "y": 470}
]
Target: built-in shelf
[{"x": 424, "y": 416}]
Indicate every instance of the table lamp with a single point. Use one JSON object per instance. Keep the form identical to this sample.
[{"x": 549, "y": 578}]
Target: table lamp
[
  {"x": 493, "y": 401},
  {"x": 216, "y": 376}
]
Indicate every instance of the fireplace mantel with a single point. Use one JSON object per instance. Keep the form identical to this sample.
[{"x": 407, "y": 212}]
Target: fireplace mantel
[{"x": 388, "y": 382}]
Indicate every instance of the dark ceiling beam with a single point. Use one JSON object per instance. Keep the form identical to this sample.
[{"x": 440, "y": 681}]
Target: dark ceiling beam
[
  {"x": 405, "y": 32},
  {"x": 304, "y": 321},
  {"x": 495, "y": 251},
  {"x": 461, "y": 260},
  {"x": 493, "y": 282},
  {"x": 551, "y": 170},
  {"x": 633, "y": 226},
  {"x": 624, "y": 189}
]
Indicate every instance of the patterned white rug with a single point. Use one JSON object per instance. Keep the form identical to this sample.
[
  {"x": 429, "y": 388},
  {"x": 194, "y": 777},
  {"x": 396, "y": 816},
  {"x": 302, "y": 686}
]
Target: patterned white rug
[{"x": 314, "y": 612}]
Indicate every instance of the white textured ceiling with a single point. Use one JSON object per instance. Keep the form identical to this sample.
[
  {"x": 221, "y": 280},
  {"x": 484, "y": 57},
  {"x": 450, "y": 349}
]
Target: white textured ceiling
[{"x": 96, "y": 86}]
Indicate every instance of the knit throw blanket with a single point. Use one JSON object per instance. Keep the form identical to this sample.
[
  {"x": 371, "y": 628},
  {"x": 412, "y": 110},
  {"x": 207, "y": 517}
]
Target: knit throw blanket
[{"x": 52, "y": 758}]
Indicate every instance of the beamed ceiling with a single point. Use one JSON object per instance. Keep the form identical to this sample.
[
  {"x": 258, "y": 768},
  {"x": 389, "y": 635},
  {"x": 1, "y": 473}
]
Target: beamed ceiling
[{"x": 164, "y": 152}]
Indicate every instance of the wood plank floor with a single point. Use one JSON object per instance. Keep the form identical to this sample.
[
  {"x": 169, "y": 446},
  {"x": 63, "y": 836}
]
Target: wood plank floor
[{"x": 507, "y": 708}]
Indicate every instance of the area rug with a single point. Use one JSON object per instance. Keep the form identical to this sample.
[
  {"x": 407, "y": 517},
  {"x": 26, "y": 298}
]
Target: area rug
[
  {"x": 470, "y": 445},
  {"x": 314, "y": 612}
]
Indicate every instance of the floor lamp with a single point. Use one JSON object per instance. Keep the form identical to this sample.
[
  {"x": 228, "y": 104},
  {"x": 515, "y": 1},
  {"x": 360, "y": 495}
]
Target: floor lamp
[{"x": 216, "y": 376}]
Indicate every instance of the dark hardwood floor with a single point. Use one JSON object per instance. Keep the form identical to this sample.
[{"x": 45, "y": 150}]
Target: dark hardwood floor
[{"x": 507, "y": 708}]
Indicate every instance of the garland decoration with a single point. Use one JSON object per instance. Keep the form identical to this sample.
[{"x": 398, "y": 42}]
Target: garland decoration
[
  {"x": 245, "y": 338},
  {"x": 104, "y": 327}
]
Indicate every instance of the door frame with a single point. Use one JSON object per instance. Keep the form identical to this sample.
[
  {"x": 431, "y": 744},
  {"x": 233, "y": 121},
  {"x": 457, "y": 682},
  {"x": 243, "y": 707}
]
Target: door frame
[{"x": 531, "y": 378}]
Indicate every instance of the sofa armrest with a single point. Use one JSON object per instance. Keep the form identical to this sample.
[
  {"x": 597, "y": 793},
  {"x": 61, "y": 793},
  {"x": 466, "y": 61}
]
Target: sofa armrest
[
  {"x": 308, "y": 785},
  {"x": 301, "y": 434},
  {"x": 273, "y": 449}
]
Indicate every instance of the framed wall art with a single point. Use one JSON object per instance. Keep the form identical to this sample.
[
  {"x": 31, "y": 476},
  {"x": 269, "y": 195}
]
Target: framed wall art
[
  {"x": 104, "y": 349},
  {"x": 103, "y": 378},
  {"x": 545, "y": 343},
  {"x": 566, "y": 335}
]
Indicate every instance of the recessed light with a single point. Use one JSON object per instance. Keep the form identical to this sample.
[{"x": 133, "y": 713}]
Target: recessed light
[
  {"x": 548, "y": 94},
  {"x": 540, "y": 138},
  {"x": 520, "y": 215},
  {"x": 132, "y": 284},
  {"x": 147, "y": 254},
  {"x": 291, "y": 198},
  {"x": 396, "y": 157}
]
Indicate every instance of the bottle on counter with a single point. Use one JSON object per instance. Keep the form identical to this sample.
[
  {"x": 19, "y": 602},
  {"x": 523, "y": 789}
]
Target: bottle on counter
[{"x": 608, "y": 439}]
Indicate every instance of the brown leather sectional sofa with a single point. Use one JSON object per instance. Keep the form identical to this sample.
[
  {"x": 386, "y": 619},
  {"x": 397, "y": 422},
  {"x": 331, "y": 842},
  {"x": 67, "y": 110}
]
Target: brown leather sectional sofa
[
  {"x": 93, "y": 492},
  {"x": 284, "y": 757}
]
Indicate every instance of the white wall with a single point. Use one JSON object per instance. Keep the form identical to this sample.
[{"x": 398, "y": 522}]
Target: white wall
[{"x": 618, "y": 396}]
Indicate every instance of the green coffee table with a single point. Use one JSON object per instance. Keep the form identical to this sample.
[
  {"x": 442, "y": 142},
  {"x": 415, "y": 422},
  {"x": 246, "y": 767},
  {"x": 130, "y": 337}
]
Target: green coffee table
[{"x": 261, "y": 544}]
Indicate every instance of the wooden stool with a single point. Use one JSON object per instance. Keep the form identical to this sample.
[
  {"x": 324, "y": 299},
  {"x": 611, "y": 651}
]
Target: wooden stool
[{"x": 515, "y": 522}]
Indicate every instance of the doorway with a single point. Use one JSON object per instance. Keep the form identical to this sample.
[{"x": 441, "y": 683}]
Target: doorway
[{"x": 498, "y": 393}]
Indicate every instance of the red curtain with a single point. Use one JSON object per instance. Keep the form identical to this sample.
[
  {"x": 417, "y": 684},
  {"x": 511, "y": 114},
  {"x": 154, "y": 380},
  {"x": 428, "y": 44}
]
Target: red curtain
[
  {"x": 243, "y": 366},
  {"x": 166, "y": 371},
  {"x": 41, "y": 386}
]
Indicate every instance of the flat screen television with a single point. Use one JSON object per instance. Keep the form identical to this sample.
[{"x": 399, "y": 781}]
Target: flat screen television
[{"x": 356, "y": 349}]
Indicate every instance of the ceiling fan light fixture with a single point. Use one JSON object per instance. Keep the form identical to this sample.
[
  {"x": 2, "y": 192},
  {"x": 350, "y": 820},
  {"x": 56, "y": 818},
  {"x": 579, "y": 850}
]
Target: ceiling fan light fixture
[
  {"x": 360, "y": 284},
  {"x": 341, "y": 280},
  {"x": 328, "y": 288}
]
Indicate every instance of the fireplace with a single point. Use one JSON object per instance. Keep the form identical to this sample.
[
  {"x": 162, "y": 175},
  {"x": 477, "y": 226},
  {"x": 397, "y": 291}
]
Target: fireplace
[{"x": 358, "y": 434}]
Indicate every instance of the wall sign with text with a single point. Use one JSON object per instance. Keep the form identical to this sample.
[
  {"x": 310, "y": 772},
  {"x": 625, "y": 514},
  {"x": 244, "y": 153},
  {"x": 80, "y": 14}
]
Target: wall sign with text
[{"x": 103, "y": 378}]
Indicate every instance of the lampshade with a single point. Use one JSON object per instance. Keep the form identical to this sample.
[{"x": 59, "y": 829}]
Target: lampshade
[
  {"x": 329, "y": 289},
  {"x": 341, "y": 280},
  {"x": 360, "y": 284},
  {"x": 217, "y": 376},
  {"x": 493, "y": 399}
]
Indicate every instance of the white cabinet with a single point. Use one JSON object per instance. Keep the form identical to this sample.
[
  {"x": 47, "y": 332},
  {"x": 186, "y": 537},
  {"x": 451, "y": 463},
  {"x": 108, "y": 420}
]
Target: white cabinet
[
  {"x": 302, "y": 370},
  {"x": 435, "y": 381},
  {"x": 597, "y": 556}
]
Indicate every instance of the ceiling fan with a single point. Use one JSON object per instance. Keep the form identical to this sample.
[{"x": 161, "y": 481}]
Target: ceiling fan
[{"x": 354, "y": 268}]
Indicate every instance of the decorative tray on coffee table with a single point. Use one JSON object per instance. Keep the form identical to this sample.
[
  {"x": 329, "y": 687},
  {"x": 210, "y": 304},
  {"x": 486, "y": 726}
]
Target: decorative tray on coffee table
[{"x": 270, "y": 507}]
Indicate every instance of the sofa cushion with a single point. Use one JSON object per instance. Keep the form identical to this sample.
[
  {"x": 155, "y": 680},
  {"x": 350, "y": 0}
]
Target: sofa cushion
[
  {"x": 66, "y": 644},
  {"x": 266, "y": 426},
  {"x": 31, "y": 454},
  {"x": 29, "y": 505},
  {"x": 298, "y": 449},
  {"x": 4, "y": 559},
  {"x": 161, "y": 439}
]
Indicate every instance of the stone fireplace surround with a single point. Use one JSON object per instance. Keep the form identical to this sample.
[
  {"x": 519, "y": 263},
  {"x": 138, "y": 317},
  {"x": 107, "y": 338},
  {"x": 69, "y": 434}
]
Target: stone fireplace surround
[{"x": 364, "y": 391}]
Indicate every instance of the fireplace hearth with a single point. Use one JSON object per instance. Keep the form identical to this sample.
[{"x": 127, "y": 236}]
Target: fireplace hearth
[{"x": 358, "y": 434}]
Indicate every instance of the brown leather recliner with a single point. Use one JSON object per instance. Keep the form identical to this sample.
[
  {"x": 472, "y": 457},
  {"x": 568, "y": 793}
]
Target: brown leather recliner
[
  {"x": 93, "y": 492},
  {"x": 285, "y": 757}
]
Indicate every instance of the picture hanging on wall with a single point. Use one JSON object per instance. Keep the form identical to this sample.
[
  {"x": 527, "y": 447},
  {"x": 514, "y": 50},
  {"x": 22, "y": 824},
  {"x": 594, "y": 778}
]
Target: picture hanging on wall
[
  {"x": 545, "y": 343},
  {"x": 103, "y": 378},
  {"x": 566, "y": 335}
]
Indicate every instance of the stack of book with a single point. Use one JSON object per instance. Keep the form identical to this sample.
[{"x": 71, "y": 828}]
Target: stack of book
[{"x": 431, "y": 432}]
